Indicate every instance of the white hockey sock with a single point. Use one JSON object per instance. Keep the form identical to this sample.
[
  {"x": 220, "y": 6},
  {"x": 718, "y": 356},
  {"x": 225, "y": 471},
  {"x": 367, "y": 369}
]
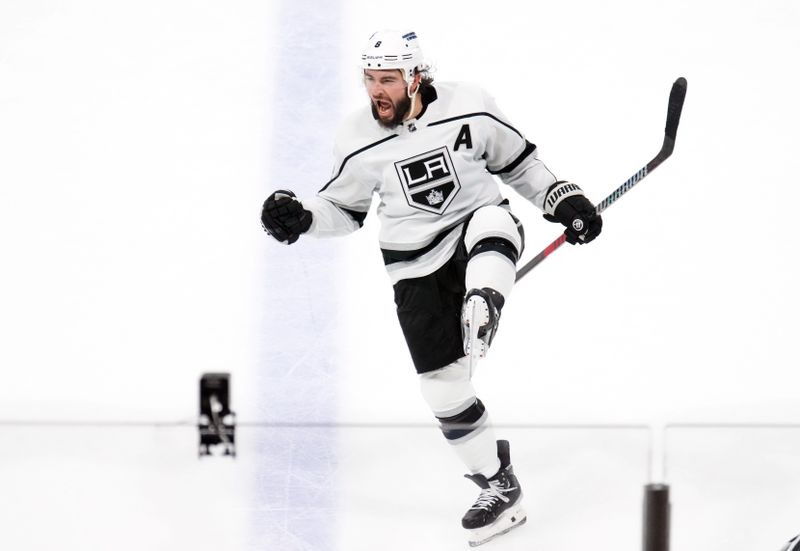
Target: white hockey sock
[
  {"x": 464, "y": 420},
  {"x": 478, "y": 451},
  {"x": 493, "y": 270}
]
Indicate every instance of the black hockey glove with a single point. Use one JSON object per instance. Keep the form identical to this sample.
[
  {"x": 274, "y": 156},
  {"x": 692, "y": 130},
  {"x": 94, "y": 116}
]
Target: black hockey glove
[
  {"x": 284, "y": 218},
  {"x": 566, "y": 204}
]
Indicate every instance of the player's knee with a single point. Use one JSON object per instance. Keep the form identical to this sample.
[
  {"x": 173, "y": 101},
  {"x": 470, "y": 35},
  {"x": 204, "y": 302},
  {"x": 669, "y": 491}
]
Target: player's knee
[
  {"x": 494, "y": 229},
  {"x": 452, "y": 400},
  {"x": 448, "y": 391}
]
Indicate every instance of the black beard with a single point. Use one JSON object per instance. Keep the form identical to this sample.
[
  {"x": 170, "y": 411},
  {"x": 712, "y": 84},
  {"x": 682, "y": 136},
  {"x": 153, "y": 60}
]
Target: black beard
[{"x": 402, "y": 109}]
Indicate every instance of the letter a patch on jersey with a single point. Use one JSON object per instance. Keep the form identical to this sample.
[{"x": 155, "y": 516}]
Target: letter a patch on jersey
[
  {"x": 429, "y": 180},
  {"x": 464, "y": 138}
]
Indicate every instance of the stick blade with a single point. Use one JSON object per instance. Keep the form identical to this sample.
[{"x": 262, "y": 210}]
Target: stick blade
[{"x": 675, "y": 106}]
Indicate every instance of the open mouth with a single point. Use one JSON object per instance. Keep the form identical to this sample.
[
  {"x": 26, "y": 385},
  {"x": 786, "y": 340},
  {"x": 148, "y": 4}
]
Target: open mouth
[{"x": 383, "y": 107}]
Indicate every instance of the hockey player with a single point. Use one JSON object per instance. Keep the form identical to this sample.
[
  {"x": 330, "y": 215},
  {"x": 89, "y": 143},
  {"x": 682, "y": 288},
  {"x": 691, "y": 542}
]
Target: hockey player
[{"x": 433, "y": 154}]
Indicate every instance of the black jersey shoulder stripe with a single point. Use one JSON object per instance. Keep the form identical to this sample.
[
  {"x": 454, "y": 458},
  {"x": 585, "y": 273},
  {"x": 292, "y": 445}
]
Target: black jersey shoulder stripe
[
  {"x": 529, "y": 148},
  {"x": 478, "y": 114},
  {"x": 353, "y": 154}
]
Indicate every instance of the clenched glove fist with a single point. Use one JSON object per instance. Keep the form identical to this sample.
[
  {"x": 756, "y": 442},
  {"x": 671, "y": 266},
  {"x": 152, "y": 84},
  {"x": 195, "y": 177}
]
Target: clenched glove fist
[
  {"x": 284, "y": 218},
  {"x": 566, "y": 204}
]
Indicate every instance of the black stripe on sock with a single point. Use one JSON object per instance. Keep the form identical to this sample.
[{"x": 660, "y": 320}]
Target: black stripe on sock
[
  {"x": 498, "y": 245},
  {"x": 462, "y": 424}
]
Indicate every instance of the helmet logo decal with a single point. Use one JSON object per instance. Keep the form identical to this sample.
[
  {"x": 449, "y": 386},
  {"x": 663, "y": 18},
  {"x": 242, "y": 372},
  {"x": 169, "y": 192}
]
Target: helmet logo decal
[{"x": 389, "y": 49}]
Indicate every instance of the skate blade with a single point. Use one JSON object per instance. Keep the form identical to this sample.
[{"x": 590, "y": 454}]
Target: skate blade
[
  {"x": 476, "y": 351},
  {"x": 478, "y": 317},
  {"x": 509, "y": 520}
]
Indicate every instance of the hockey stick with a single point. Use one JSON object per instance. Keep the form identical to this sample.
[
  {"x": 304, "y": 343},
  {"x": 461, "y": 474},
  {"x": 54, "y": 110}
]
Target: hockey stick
[{"x": 674, "y": 107}]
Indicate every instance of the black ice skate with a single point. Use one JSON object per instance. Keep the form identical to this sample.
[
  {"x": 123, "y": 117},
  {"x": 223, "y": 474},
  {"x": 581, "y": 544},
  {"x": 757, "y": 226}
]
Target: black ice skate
[
  {"x": 480, "y": 317},
  {"x": 498, "y": 508}
]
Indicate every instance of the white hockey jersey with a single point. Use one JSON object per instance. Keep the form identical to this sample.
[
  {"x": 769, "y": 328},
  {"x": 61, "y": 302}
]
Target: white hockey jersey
[{"x": 430, "y": 174}]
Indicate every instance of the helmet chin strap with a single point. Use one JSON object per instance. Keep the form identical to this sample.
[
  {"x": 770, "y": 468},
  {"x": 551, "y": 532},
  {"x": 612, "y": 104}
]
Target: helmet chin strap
[{"x": 413, "y": 97}]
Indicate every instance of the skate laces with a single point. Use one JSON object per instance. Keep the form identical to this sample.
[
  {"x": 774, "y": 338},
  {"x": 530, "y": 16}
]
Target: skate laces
[{"x": 490, "y": 495}]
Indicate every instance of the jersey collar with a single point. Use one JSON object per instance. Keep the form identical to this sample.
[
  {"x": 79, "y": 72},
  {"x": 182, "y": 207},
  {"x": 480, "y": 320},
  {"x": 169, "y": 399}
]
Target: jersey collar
[{"x": 428, "y": 95}]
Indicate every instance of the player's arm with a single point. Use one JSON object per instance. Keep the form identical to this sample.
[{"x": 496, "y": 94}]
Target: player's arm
[
  {"x": 339, "y": 208},
  {"x": 285, "y": 217},
  {"x": 515, "y": 160}
]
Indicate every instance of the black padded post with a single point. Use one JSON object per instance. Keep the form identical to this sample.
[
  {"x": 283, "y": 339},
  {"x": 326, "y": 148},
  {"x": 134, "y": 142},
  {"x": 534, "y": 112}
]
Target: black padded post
[{"x": 656, "y": 518}]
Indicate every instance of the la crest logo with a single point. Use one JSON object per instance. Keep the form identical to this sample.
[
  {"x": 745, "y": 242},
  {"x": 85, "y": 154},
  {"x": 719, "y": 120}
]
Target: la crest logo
[{"x": 429, "y": 181}]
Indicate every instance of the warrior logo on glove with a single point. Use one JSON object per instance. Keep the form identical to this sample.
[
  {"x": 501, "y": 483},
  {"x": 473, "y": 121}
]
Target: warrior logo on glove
[{"x": 566, "y": 204}]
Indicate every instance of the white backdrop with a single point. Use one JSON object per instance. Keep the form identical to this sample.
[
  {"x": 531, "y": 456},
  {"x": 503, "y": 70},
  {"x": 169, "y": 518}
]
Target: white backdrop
[{"x": 137, "y": 143}]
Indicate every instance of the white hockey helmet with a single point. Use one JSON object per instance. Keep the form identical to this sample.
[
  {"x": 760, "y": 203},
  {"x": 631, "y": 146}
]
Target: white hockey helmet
[{"x": 393, "y": 50}]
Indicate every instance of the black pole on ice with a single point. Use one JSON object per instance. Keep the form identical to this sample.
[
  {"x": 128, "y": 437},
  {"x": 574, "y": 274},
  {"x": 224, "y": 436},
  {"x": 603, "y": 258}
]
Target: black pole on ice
[{"x": 656, "y": 518}]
